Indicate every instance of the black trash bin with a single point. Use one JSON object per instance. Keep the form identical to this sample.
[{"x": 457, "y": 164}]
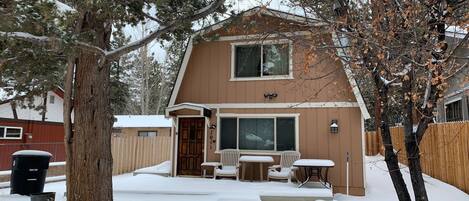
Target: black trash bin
[{"x": 28, "y": 171}]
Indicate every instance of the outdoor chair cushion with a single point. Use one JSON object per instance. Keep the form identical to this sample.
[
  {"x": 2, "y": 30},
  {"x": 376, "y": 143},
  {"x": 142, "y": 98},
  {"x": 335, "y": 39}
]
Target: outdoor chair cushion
[
  {"x": 283, "y": 173},
  {"x": 226, "y": 171}
]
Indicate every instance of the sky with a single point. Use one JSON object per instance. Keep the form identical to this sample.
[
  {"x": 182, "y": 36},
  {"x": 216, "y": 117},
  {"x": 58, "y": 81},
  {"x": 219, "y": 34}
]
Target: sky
[{"x": 238, "y": 5}]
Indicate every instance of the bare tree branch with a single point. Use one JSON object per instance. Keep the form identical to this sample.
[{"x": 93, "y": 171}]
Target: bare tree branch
[{"x": 112, "y": 55}]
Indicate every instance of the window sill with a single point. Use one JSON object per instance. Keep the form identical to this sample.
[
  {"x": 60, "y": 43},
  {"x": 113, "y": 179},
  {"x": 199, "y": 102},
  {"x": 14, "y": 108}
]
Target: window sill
[
  {"x": 250, "y": 152},
  {"x": 10, "y": 138},
  {"x": 262, "y": 78}
]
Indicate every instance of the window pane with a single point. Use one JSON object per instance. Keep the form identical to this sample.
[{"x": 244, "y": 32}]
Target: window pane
[
  {"x": 227, "y": 133},
  {"x": 256, "y": 134},
  {"x": 454, "y": 111},
  {"x": 2, "y": 132},
  {"x": 285, "y": 133},
  {"x": 13, "y": 132},
  {"x": 248, "y": 61},
  {"x": 151, "y": 133},
  {"x": 276, "y": 59},
  {"x": 142, "y": 133}
]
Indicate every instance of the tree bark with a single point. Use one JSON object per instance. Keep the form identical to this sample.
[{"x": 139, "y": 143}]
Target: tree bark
[
  {"x": 13, "y": 109},
  {"x": 410, "y": 141},
  {"x": 90, "y": 175},
  {"x": 390, "y": 157},
  {"x": 44, "y": 107}
]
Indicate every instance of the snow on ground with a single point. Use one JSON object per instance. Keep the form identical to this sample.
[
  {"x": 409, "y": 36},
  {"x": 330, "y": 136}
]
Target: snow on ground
[
  {"x": 148, "y": 187},
  {"x": 379, "y": 185},
  {"x": 162, "y": 169}
]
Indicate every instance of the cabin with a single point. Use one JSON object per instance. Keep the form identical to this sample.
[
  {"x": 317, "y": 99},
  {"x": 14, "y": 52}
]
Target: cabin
[
  {"x": 253, "y": 83},
  {"x": 141, "y": 126}
]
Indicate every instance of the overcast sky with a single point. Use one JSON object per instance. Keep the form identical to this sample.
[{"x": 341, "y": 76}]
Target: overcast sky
[{"x": 238, "y": 6}]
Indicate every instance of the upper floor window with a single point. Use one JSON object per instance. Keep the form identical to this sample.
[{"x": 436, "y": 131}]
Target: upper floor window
[
  {"x": 51, "y": 99},
  {"x": 454, "y": 111},
  {"x": 10, "y": 132},
  {"x": 268, "y": 60}
]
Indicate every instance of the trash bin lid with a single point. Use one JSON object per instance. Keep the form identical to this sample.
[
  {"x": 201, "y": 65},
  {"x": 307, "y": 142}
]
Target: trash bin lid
[{"x": 32, "y": 153}]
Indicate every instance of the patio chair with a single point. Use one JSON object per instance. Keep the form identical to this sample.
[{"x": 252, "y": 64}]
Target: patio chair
[
  {"x": 229, "y": 159},
  {"x": 285, "y": 170}
]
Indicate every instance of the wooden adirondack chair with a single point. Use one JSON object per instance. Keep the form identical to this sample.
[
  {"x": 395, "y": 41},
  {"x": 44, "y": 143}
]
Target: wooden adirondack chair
[
  {"x": 229, "y": 159},
  {"x": 285, "y": 170}
]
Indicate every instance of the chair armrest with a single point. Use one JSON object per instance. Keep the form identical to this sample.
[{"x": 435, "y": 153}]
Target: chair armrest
[{"x": 273, "y": 167}]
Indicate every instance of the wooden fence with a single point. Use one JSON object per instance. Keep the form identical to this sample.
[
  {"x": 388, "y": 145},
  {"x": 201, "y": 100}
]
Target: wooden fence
[
  {"x": 131, "y": 153},
  {"x": 444, "y": 151}
]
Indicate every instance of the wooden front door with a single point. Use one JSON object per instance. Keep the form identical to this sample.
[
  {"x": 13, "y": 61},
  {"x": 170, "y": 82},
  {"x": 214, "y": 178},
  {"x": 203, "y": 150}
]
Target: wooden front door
[{"x": 190, "y": 145}]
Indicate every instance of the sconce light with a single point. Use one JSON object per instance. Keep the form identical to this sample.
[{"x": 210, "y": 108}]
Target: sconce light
[
  {"x": 334, "y": 126},
  {"x": 270, "y": 95},
  {"x": 212, "y": 126}
]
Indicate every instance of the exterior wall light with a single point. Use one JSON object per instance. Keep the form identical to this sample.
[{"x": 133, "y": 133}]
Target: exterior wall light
[{"x": 334, "y": 126}]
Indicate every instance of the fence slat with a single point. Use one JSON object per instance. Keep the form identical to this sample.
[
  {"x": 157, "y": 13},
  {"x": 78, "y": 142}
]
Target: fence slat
[{"x": 444, "y": 151}]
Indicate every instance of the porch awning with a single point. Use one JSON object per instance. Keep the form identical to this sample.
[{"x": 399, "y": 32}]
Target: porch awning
[{"x": 202, "y": 110}]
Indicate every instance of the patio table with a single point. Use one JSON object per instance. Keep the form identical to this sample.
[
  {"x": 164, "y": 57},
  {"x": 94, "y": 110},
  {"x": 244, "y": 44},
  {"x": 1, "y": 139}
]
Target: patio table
[
  {"x": 314, "y": 167},
  {"x": 205, "y": 165},
  {"x": 255, "y": 159}
]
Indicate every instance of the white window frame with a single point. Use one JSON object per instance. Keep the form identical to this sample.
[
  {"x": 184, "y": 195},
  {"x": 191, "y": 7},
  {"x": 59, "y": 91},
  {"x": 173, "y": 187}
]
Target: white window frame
[
  {"x": 3, "y": 136},
  {"x": 451, "y": 102},
  {"x": 252, "y": 116},
  {"x": 261, "y": 43}
]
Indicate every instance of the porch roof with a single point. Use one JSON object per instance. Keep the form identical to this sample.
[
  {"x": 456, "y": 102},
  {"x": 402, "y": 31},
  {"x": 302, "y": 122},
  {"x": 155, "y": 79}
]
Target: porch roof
[{"x": 203, "y": 109}]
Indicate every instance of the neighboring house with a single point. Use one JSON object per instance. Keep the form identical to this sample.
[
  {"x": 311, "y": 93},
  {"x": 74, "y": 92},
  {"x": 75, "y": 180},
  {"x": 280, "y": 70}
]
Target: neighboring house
[
  {"x": 29, "y": 131},
  {"x": 54, "y": 108},
  {"x": 141, "y": 125},
  {"x": 225, "y": 99},
  {"x": 454, "y": 106}
]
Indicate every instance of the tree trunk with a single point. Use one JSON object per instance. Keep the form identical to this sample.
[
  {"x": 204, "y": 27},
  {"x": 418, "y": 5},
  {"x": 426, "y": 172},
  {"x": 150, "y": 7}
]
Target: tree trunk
[
  {"x": 410, "y": 140},
  {"x": 13, "y": 109},
  {"x": 390, "y": 157},
  {"x": 90, "y": 173},
  {"x": 44, "y": 107}
]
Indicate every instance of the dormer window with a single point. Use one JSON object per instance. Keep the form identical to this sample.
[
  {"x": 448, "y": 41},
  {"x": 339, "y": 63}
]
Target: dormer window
[{"x": 261, "y": 61}]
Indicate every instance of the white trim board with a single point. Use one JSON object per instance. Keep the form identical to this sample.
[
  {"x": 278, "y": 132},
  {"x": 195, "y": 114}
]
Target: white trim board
[
  {"x": 339, "y": 42},
  {"x": 285, "y": 105}
]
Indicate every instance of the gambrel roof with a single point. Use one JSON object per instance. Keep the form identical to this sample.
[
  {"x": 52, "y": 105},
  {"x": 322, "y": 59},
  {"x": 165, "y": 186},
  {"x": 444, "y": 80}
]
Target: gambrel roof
[{"x": 272, "y": 13}]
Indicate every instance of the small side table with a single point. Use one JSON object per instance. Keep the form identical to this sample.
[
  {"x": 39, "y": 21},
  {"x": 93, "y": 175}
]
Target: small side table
[{"x": 206, "y": 165}]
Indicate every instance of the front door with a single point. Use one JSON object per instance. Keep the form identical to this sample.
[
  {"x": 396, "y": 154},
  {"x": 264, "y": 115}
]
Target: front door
[{"x": 190, "y": 145}]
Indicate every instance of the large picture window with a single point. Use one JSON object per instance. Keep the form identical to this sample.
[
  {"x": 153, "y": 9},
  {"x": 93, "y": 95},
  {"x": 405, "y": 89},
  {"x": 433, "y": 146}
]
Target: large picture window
[
  {"x": 10, "y": 132},
  {"x": 262, "y": 61},
  {"x": 258, "y": 133}
]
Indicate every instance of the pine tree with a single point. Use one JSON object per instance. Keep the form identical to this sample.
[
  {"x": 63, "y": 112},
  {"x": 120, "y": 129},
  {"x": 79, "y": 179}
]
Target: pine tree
[{"x": 48, "y": 34}]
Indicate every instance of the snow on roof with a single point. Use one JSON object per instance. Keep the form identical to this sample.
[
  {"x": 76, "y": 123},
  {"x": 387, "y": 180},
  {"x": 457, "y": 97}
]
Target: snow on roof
[
  {"x": 4, "y": 94},
  {"x": 140, "y": 121},
  {"x": 456, "y": 31}
]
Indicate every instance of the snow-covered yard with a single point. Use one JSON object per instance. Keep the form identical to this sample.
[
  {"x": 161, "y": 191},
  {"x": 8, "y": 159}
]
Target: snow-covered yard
[{"x": 144, "y": 187}]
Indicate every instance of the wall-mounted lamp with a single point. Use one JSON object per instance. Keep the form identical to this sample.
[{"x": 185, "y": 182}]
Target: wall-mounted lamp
[
  {"x": 270, "y": 95},
  {"x": 212, "y": 126},
  {"x": 334, "y": 126}
]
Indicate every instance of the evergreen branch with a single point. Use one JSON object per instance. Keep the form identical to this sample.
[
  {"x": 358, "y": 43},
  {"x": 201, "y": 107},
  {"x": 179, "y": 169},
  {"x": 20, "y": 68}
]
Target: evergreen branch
[
  {"x": 46, "y": 40},
  {"x": 114, "y": 54}
]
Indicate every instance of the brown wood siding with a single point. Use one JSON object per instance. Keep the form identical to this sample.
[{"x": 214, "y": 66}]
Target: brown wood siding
[
  {"x": 208, "y": 73},
  {"x": 317, "y": 142}
]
